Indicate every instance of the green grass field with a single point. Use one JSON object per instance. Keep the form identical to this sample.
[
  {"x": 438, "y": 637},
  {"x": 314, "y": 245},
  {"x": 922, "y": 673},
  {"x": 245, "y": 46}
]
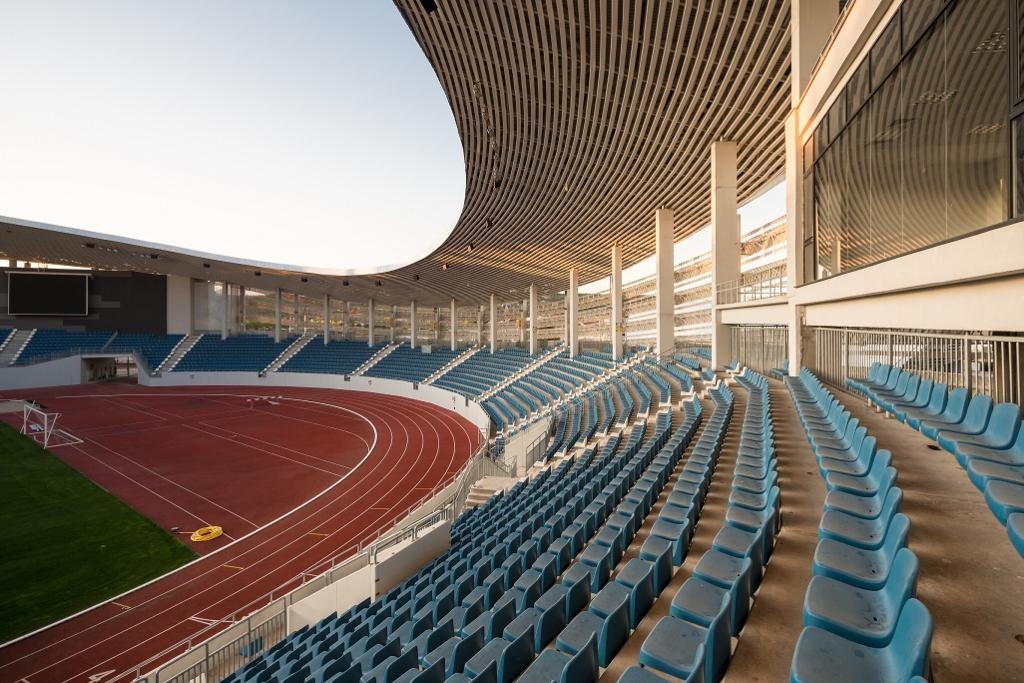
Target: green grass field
[{"x": 65, "y": 543}]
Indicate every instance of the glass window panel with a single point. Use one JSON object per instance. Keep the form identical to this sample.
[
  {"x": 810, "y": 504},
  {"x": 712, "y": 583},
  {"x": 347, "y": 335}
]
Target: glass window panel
[
  {"x": 857, "y": 231},
  {"x": 829, "y": 208},
  {"x": 926, "y": 99},
  {"x": 917, "y": 15},
  {"x": 821, "y": 137},
  {"x": 837, "y": 116},
  {"x": 886, "y": 52},
  {"x": 1020, "y": 50},
  {"x": 976, "y": 70},
  {"x": 859, "y": 87},
  {"x": 888, "y": 125}
]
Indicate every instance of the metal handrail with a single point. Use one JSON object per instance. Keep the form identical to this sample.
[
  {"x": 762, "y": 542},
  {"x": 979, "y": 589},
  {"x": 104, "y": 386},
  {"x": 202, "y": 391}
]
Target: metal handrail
[{"x": 766, "y": 284}]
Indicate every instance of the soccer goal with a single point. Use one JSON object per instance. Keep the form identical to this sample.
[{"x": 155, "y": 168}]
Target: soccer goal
[{"x": 41, "y": 426}]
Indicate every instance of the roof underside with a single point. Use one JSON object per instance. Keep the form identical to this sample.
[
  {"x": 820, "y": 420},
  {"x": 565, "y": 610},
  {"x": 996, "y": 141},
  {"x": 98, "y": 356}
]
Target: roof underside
[{"x": 578, "y": 118}]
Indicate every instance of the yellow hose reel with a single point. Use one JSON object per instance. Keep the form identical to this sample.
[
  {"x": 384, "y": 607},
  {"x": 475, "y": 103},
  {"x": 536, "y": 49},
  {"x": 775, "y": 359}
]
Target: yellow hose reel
[{"x": 207, "y": 533}]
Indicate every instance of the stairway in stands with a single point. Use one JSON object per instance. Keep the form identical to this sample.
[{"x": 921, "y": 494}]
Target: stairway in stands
[
  {"x": 458, "y": 360},
  {"x": 376, "y": 358},
  {"x": 13, "y": 345},
  {"x": 290, "y": 351},
  {"x": 177, "y": 353}
]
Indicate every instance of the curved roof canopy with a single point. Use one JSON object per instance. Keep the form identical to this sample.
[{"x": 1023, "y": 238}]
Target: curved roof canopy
[{"x": 578, "y": 119}]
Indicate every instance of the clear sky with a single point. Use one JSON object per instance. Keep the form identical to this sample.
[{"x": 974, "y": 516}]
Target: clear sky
[{"x": 311, "y": 133}]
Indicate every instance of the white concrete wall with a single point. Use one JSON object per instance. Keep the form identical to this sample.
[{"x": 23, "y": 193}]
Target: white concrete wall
[
  {"x": 422, "y": 392},
  {"x": 991, "y": 305},
  {"x": 400, "y": 562},
  {"x": 339, "y": 596},
  {"x": 518, "y": 446},
  {"x": 770, "y": 314},
  {"x": 179, "y": 305},
  {"x": 55, "y": 373}
]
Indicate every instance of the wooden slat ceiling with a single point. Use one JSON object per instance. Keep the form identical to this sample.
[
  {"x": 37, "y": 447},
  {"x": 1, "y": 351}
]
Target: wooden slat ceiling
[{"x": 578, "y": 118}]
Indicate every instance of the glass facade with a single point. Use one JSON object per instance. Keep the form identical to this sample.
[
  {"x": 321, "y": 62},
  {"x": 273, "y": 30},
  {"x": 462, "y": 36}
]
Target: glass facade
[{"x": 916, "y": 149}]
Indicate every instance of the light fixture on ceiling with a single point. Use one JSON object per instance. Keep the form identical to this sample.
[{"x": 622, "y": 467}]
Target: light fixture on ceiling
[
  {"x": 206, "y": 265},
  {"x": 305, "y": 279},
  {"x": 258, "y": 273},
  {"x": 444, "y": 266}
]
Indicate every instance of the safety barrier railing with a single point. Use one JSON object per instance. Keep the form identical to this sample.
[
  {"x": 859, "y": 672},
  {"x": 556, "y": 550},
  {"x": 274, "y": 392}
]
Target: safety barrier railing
[
  {"x": 765, "y": 284},
  {"x": 761, "y": 348},
  {"x": 232, "y": 641},
  {"x": 983, "y": 363}
]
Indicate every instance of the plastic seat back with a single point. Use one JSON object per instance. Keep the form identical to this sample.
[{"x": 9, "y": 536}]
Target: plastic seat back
[
  {"x": 614, "y": 632},
  {"x": 516, "y": 657},
  {"x": 583, "y": 665},
  {"x": 902, "y": 582},
  {"x": 956, "y": 406},
  {"x": 1003, "y": 424},
  {"x": 912, "y": 639},
  {"x": 924, "y": 392},
  {"x": 878, "y": 467},
  {"x": 463, "y": 651},
  {"x": 978, "y": 412}
]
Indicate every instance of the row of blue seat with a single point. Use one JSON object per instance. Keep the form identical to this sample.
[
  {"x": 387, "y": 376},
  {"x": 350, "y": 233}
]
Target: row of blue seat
[
  {"x": 153, "y": 348},
  {"x": 519, "y": 545},
  {"x": 987, "y": 440},
  {"x": 861, "y": 619},
  {"x": 694, "y": 641},
  {"x": 240, "y": 353},
  {"x": 412, "y": 364}
]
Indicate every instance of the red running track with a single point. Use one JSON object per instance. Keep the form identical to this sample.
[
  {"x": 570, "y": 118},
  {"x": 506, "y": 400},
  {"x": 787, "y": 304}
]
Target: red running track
[{"x": 160, "y": 450}]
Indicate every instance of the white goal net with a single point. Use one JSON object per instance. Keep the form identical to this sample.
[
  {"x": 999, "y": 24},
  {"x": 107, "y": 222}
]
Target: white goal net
[{"x": 41, "y": 426}]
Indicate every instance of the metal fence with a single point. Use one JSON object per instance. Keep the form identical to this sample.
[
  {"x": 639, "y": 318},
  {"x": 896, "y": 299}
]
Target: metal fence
[
  {"x": 764, "y": 284},
  {"x": 230, "y": 643},
  {"x": 761, "y": 348},
  {"x": 985, "y": 364}
]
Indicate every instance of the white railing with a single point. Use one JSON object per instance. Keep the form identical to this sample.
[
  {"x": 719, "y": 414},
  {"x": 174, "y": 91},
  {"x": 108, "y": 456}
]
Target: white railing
[
  {"x": 761, "y": 348},
  {"x": 236, "y": 639},
  {"x": 765, "y": 284},
  {"x": 986, "y": 364}
]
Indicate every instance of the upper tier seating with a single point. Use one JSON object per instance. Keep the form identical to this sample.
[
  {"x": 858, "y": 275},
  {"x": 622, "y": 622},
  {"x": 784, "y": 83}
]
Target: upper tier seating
[
  {"x": 986, "y": 440},
  {"x": 493, "y": 602},
  {"x": 412, "y": 365},
  {"x": 48, "y": 344},
  {"x": 241, "y": 353},
  {"x": 336, "y": 357},
  {"x": 153, "y": 348},
  {"x": 861, "y": 620}
]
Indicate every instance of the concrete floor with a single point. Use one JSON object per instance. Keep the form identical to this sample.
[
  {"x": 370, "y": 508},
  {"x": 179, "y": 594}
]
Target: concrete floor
[
  {"x": 971, "y": 578},
  {"x": 765, "y": 649}
]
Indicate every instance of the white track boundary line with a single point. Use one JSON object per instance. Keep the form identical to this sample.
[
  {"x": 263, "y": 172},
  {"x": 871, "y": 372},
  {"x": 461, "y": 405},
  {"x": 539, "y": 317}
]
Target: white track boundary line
[{"x": 240, "y": 538}]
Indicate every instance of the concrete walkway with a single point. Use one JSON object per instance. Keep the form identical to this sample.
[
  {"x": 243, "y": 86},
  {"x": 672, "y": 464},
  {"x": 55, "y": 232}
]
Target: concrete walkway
[{"x": 971, "y": 578}]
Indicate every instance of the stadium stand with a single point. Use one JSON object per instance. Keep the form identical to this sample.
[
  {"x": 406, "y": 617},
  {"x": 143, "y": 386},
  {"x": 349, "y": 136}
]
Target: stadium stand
[
  {"x": 153, "y": 349},
  {"x": 47, "y": 344},
  {"x": 986, "y": 440},
  {"x": 336, "y": 357},
  {"x": 241, "y": 353},
  {"x": 412, "y": 365}
]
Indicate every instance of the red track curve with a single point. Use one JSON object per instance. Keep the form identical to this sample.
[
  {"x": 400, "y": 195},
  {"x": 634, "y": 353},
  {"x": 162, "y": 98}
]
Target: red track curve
[{"x": 419, "y": 446}]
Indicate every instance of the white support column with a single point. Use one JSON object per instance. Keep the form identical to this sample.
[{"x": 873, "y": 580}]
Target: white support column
[
  {"x": 453, "y": 326},
  {"x": 794, "y": 240},
  {"x": 412, "y": 324},
  {"x": 437, "y": 325},
  {"x": 534, "y": 320},
  {"x": 369, "y": 324},
  {"x": 573, "y": 304},
  {"x": 241, "y": 309},
  {"x": 344, "y": 320},
  {"x": 277, "y": 315},
  {"x": 522, "y": 321},
  {"x": 725, "y": 243},
  {"x": 226, "y": 312},
  {"x": 618, "y": 328},
  {"x": 811, "y": 22},
  {"x": 664, "y": 292},
  {"x": 297, "y": 321},
  {"x": 394, "y": 323},
  {"x": 480, "y": 326},
  {"x": 494, "y": 323},
  {"x": 327, "y": 318}
]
